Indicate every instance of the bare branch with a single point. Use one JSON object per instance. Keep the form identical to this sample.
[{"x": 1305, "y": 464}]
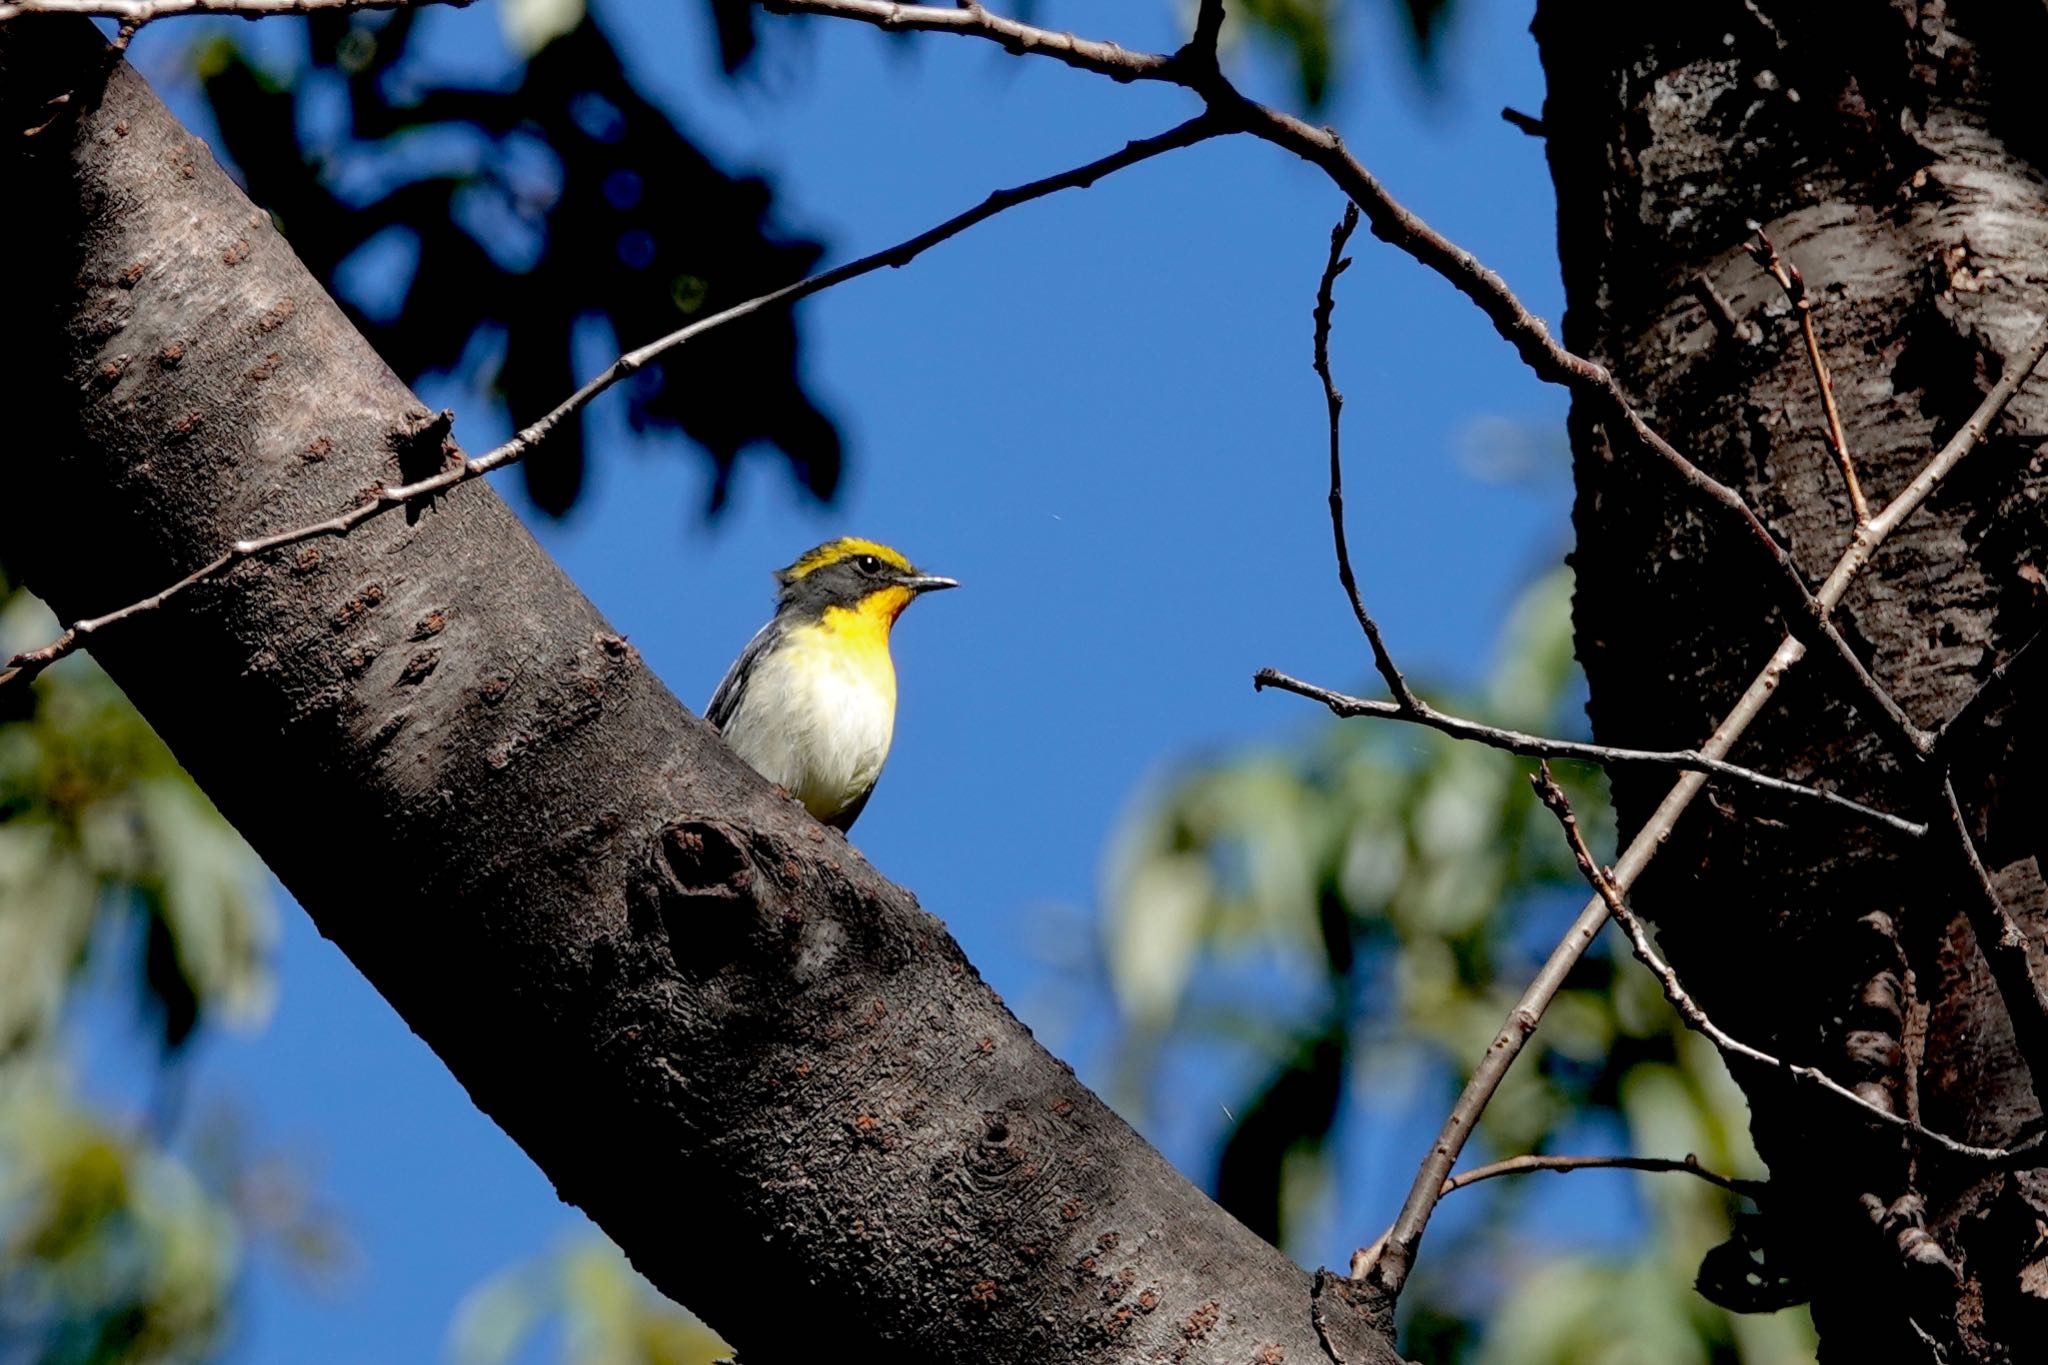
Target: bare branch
[
  {"x": 1528, "y": 124},
  {"x": 1208, "y": 29},
  {"x": 1765, "y": 253},
  {"x": 1362, "y": 1259},
  {"x": 1543, "y": 746},
  {"x": 27, "y": 665},
  {"x": 1326, "y": 305},
  {"x": 1696, "y": 1018},
  {"x": 1961, "y": 727},
  {"x": 1516, "y": 1165},
  {"x": 1806, "y": 612},
  {"x": 2004, "y": 945},
  {"x": 2016, "y": 373},
  {"x": 1396, "y": 225},
  {"x": 140, "y": 12},
  {"x": 1406, "y": 704},
  {"x": 1390, "y": 1271},
  {"x": 1104, "y": 59}
]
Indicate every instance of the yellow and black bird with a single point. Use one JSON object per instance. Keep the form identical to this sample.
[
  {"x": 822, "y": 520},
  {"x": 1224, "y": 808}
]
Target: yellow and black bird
[{"x": 810, "y": 703}]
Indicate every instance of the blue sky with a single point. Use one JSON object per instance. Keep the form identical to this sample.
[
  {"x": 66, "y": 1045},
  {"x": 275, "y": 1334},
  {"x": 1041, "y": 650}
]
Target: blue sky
[{"x": 1097, "y": 412}]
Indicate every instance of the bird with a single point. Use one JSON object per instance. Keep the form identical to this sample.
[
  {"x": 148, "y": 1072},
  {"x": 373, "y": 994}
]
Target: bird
[{"x": 810, "y": 703}]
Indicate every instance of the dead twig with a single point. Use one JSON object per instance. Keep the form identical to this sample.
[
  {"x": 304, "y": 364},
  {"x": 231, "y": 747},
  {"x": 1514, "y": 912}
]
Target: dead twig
[
  {"x": 1390, "y": 1270},
  {"x": 1395, "y": 224},
  {"x": 2004, "y": 945},
  {"x": 1543, "y": 746},
  {"x": 1611, "y": 897},
  {"x": 140, "y": 12},
  {"x": 1362, "y": 1259},
  {"x": 1333, "y": 399},
  {"x": 1765, "y": 253}
]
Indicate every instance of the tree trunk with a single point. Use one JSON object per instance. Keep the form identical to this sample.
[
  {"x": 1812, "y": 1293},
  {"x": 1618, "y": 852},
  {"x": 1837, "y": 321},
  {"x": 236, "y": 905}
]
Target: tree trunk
[
  {"x": 757, "y": 1064},
  {"x": 1893, "y": 152}
]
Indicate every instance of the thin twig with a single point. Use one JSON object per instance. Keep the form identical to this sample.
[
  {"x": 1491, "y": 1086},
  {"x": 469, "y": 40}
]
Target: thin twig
[
  {"x": 1104, "y": 59},
  {"x": 26, "y": 665},
  {"x": 1526, "y": 123},
  {"x": 1363, "y": 1258},
  {"x": 1406, "y": 704},
  {"x": 1396, "y": 225},
  {"x": 139, "y": 12},
  {"x": 1696, "y": 1019},
  {"x": 1543, "y": 746},
  {"x": 1961, "y": 727},
  {"x": 1390, "y": 1271},
  {"x": 1333, "y": 401},
  {"x": 1765, "y": 253},
  {"x": 2004, "y": 945},
  {"x": 1690, "y": 1165},
  {"x": 1208, "y": 28},
  {"x": 1806, "y": 613}
]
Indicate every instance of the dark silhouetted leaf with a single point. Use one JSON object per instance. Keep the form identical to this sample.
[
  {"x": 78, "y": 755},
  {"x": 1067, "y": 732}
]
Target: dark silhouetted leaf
[{"x": 574, "y": 198}]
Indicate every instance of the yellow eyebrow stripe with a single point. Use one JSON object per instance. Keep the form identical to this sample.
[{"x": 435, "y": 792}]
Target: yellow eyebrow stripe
[{"x": 845, "y": 548}]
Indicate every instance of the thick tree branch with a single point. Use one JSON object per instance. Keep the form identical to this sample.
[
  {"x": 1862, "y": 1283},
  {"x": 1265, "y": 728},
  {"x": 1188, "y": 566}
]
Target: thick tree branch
[
  {"x": 25, "y": 665},
  {"x": 757, "y": 1064}
]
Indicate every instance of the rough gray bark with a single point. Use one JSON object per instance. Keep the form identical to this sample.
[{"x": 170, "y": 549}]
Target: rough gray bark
[
  {"x": 756, "y": 1063},
  {"x": 1894, "y": 152}
]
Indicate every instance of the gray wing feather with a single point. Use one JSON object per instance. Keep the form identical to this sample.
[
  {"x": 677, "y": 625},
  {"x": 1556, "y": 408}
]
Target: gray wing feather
[{"x": 726, "y": 699}]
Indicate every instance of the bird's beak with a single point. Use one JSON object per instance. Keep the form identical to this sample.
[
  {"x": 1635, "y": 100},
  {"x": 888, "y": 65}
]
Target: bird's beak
[{"x": 924, "y": 582}]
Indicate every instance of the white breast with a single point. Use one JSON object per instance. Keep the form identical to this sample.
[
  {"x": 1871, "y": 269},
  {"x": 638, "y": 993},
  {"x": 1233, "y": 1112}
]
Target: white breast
[{"x": 817, "y": 720}]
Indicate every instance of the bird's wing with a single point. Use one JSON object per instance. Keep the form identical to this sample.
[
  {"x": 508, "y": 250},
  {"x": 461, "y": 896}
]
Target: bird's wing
[{"x": 726, "y": 699}]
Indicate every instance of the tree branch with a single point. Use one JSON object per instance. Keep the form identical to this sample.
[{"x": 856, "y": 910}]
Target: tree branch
[
  {"x": 139, "y": 12},
  {"x": 1333, "y": 400},
  {"x": 1390, "y": 1271},
  {"x": 1208, "y": 29},
  {"x": 754, "y": 1061},
  {"x": 1806, "y": 613},
  {"x": 1362, "y": 1260},
  {"x": 1696, "y": 1019},
  {"x": 2004, "y": 945},
  {"x": 26, "y": 665},
  {"x": 1102, "y": 58},
  {"x": 1543, "y": 746},
  {"x": 1765, "y": 253},
  {"x": 1396, "y": 225}
]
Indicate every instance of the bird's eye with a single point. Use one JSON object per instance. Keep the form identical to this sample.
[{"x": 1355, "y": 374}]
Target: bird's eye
[{"x": 868, "y": 564}]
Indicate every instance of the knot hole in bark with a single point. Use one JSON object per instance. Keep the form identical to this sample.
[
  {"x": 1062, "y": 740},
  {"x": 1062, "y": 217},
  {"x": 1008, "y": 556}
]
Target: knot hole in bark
[
  {"x": 705, "y": 892},
  {"x": 999, "y": 1148}
]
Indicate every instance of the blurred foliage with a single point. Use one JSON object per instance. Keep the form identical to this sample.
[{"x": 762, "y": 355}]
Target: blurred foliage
[
  {"x": 1309, "y": 35},
  {"x": 604, "y": 1312},
  {"x": 559, "y": 196},
  {"x": 1354, "y": 919},
  {"x": 562, "y": 194},
  {"x": 119, "y": 881}
]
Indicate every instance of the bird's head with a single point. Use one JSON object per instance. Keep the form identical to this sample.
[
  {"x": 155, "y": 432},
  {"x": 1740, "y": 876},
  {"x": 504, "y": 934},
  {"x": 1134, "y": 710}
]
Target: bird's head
[{"x": 854, "y": 575}]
